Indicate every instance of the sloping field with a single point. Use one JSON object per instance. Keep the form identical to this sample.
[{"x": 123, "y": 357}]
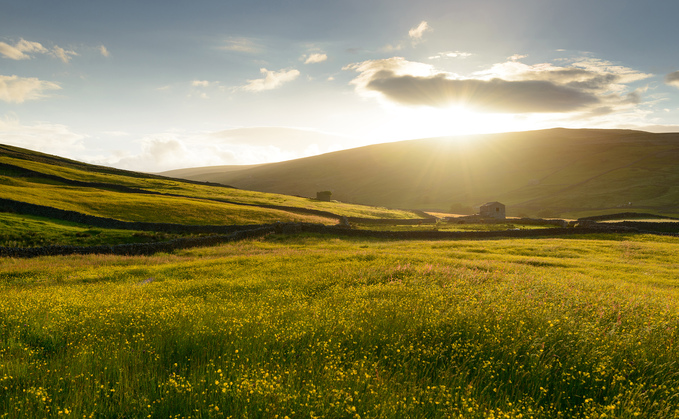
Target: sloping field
[
  {"x": 48, "y": 180},
  {"x": 148, "y": 208},
  {"x": 570, "y": 173}
]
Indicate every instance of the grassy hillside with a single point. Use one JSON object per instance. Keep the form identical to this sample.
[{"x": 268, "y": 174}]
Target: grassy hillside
[
  {"x": 29, "y": 231},
  {"x": 552, "y": 172},
  {"x": 36, "y": 178},
  {"x": 340, "y": 328}
]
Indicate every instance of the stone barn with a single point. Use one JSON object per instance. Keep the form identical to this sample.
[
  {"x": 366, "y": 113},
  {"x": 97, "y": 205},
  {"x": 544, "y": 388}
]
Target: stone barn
[
  {"x": 493, "y": 210},
  {"x": 323, "y": 195}
]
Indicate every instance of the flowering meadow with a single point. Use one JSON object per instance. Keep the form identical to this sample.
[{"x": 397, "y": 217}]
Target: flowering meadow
[{"x": 320, "y": 327}]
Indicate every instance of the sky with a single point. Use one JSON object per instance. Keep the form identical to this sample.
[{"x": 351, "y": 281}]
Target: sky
[{"x": 159, "y": 85}]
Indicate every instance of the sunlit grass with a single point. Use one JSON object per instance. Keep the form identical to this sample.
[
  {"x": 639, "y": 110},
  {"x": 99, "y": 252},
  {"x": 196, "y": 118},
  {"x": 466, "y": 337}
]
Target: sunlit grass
[
  {"x": 169, "y": 186},
  {"x": 147, "y": 208},
  {"x": 312, "y": 326}
]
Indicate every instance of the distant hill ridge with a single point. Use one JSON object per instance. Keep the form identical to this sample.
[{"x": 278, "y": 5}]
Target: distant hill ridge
[{"x": 555, "y": 172}]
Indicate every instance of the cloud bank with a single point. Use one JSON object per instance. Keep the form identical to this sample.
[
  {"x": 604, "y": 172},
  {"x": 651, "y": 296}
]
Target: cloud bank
[
  {"x": 15, "y": 89},
  {"x": 512, "y": 87}
]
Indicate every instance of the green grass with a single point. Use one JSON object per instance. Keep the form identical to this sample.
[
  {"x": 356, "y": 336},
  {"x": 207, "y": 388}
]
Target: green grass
[
  {"x": 309, "y": 326},
  {"x": 191, "y": 190},
  {"x": 28, "y": 231},
  {"x": 148, "y": 208}
]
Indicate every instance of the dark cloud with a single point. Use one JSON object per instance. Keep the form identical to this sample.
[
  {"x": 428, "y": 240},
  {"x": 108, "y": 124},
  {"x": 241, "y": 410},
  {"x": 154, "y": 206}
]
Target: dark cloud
[
  {"x": 496, "y": 95},
  {"x": 672, "y": 78}
]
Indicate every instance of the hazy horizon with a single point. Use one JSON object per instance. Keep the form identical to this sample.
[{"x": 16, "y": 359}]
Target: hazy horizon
[{"x": 150, "y": 88}]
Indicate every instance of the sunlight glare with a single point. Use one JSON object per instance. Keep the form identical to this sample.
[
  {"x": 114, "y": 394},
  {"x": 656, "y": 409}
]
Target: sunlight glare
[{"x": 425, "y": 122}]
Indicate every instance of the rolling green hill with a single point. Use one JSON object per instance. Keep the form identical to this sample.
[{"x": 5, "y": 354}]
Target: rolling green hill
[
  {"x": 51, "y": 182},
  {"x": 569, "y": 173}
]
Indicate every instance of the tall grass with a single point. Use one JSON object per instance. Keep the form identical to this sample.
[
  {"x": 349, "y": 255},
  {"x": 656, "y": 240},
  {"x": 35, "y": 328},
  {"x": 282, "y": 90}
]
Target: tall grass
[{"x": 323, "y": 327}]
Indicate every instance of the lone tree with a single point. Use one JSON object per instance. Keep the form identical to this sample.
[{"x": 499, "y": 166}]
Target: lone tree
[{"x": 323, "y": 195}]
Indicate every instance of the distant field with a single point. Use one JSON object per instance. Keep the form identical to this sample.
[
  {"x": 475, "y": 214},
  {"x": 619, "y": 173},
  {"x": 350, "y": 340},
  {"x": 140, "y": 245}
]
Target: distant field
[{"x": 309, "y": 326}]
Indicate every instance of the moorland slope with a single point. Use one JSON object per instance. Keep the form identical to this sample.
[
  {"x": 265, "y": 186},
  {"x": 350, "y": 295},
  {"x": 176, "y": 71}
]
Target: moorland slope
[{"x": 564, "y": 172}]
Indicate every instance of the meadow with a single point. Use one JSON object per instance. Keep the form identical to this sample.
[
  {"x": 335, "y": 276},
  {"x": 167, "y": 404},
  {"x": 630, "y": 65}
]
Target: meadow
[{"x": 314, "y": 326}]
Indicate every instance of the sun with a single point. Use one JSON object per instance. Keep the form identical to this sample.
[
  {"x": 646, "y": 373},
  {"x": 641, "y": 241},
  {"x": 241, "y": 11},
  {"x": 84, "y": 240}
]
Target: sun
[{"x": 427, "y": 122}]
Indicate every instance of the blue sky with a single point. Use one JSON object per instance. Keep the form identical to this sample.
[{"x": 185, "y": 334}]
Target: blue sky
[{"x": 157, "y": 85}]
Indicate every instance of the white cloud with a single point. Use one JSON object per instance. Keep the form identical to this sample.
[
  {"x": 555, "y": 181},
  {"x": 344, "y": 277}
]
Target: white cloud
[
  {"x": 200, "y": 83},
  {"x": 241, "y": 45},
  {"x": 41, "y": 136},
  {"x": 451, "y": 54},
  {"x": 62, "y": 54},
  {"x": 22, "y": 50},
  {"x": 19, "y": 50},
  {"x": 417, "y": 32},
  {"x": 200, "y": 88},
  {"x": 271, "y": 80},
  {"x": 254, "y": 145},
  {"x": 104, "y": 51},
  {"x": 315, "y": 58},
  {"x": 15, "y": 89},
  {"x": 174, "y": 150}
]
